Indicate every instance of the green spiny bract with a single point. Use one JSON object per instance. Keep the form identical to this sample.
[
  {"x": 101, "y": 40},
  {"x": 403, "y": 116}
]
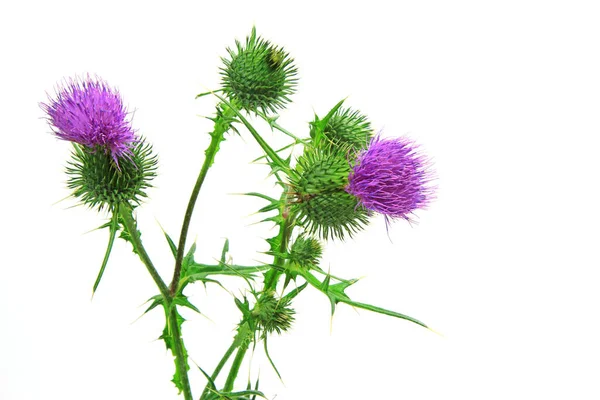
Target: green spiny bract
[
  {"x": 98, "y": 182},
  {"x": 347, "y": 128},
  {"x": 258, "y": 76},
  {"x": 319, "y": 197},
  {"x": 273, "y": 314},
  {"x": 306, "y": 252}
]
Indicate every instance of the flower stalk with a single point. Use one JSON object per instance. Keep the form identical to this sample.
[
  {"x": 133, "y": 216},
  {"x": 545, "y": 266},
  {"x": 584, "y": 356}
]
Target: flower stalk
[
  {"x": 126, "y": 213},
  {"x": 222, "y": 125}
]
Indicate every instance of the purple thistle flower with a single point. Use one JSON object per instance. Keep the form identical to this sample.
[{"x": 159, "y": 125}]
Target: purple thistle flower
[
  {"x": 391, "y": 177},
  {"x": 91, "y": 113}
]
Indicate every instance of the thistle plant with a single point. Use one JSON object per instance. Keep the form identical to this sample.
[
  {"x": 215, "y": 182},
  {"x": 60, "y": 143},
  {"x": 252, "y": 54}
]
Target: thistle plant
[{"x": 344, "y": 176}]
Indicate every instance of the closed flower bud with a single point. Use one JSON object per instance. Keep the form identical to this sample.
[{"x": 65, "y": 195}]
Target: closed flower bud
[
  {"x": 346, "y": 128},
  {"x": 306, "y": 252},
  {"x": 258, "y": 76},
  {"x": 97, "y": 182},
  {"x": 273, "y": 314},
  {"x": 318, "y": 196}
]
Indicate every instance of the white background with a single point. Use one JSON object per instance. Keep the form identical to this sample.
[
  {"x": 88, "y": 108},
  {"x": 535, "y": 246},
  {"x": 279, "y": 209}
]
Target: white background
[{"x": 504, "y": 96}]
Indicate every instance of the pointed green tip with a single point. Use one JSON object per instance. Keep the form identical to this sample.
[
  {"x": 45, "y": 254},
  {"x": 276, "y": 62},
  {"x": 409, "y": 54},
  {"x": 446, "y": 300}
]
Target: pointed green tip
[{"x": 436, "y": 332}]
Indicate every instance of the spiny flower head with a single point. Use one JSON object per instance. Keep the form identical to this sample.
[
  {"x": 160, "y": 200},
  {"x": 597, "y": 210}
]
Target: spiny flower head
[
  {"x": 392, "y": 177},
  {"x": 306, "y": 252},
  {"x": 318, "y": 197},
  {"x": 346, "y": 128},
  {"x": 89, "y": 112},
  {"x": 258, "y": 76},
  {"x": 97, "y": 182},
  {"x": 274, "y": 314}
]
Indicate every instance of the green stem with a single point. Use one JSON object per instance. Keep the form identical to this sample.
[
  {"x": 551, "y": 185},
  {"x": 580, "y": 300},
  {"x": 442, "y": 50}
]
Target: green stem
[
  {"x": 271, "y": 278},
  {"x": 220, "y": 366},
  {"x": 285, "y": 232},
  {"x": 178, "y": 349},
  {"x": 126, "y": 213},
  {"x": 222, "y": 125},
  {"x": 237, "y": 361},
  {"x": 272, "y": 154}
]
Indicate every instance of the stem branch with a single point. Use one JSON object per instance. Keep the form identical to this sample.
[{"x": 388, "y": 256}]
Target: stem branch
[{"x": 126, "y": 213}]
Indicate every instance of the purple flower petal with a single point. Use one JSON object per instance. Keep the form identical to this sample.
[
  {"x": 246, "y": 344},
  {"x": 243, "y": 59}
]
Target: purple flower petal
[
  {"x": 89, "y": 112},
  {"x": 391, "y": 177}
]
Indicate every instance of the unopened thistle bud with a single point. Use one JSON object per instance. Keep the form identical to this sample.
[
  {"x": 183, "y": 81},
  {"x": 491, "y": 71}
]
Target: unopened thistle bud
[
  {"x": 306, "y": 252},
  {"x": 323, "y": 206},
  {"x": 97, "y": 182},
  {"x": 347, "y": 128},
  {"x": 273, "y": 314},
  {"x": 258, "y": 76},
  {"x": 392, "y": 177}
]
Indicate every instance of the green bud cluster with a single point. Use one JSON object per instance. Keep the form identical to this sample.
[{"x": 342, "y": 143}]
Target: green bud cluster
[
  {"x": 258, "y": 76},
  {"x": 319, "y": 199},
  {"x": 98, "y": 182},
  {"x": 273, "y": 314},
  {"x": 346, "y": 128},
  {"x": 306, "y": 252}
]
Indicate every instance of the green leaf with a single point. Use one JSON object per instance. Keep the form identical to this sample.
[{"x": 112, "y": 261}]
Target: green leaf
[
  {"x": 336, "y": 294},
  {"x": 201, "y": 272},
  {"x": 224, "y": 251},
  {"x": 113, "y": 228},
  {"x": 262, "y": 196},
  {"x": 237, "y": 395},
  {"x": 275, "y": 160},
  {"x": 172, "y": 245},
  {"x": 288, "y": 297},
  {"x": 156, "y": 301},
  {"x": 211, "y": 383},
  {"x": 270, "y": 359},
  {"x": 319, "y": 125},
  {"x": 191, "y": 271},
  {"x": 207, "y": 93}
]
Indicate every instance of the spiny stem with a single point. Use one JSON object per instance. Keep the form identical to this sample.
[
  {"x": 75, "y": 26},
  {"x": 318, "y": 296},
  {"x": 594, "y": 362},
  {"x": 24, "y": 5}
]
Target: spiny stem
[
  {"x": 285, "y": 232},
  {"x": 222, "y": 125},
  {"x": 178, "y": 347},
  {"x": 126, "y": 213},
  {"x": 271, "y": 279}
]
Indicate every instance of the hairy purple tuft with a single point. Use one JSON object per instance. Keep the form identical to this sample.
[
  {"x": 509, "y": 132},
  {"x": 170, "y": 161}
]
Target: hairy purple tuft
[
  {"x": 391, "y": 177},
  {"x": 89, "y": 112}
]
